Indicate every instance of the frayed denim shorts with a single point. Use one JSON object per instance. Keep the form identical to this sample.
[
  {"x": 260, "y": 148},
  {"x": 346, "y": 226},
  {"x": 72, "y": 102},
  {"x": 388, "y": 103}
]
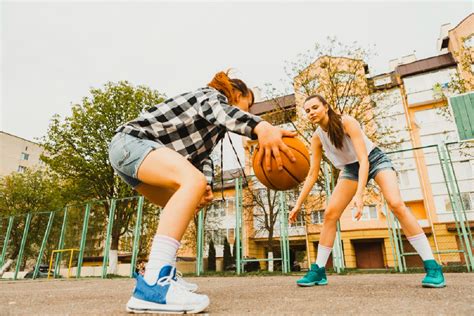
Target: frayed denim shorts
[
  {"x": 126, "y": 154},
  {"x": 378, "y": 161}
]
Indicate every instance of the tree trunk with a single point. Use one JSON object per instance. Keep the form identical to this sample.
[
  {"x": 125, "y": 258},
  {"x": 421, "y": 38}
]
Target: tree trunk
[
  {"x": 113, "y": 255},
  {"x": 270, "y": 262},
  {"x": 270, "y": 252},
  {"x": 6, "y": 266}
]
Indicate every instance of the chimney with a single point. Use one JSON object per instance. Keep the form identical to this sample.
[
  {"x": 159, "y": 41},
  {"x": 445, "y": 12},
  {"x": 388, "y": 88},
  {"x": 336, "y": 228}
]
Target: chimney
[
  {"x": 443, "y": 40},
  {"x": 408, "y": 59},
  {"x": 392, "y": 64},
  {"x": 257, "y": 92}
]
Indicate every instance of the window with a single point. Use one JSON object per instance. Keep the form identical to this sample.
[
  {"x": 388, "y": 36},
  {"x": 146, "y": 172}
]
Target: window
[
  {"x": 21, "y": 169},
  {"x": 217, "y": 236},
  {"x": 368, "y": 213},
  {"x": 348, "y": 101},
  {"x": 343, "y": 77},
  {"x": 317, "y": 217},
  {"x": 382, "y": 81},
  {"x": 218, "y": 208},
  {"x": 308, "y": 87},
  {"x": 25, "y": 156},
  {"x": 467, "y": 201},
  {"x": 299, "y": 219},
  {"x": 469, "y": 42}
]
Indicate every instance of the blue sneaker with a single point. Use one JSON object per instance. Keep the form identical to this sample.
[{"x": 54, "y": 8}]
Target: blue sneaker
[
  {"x": 434, "y": 274},
  {"x": 315, "y": 276},
  {"x": 166, "y": 296}
]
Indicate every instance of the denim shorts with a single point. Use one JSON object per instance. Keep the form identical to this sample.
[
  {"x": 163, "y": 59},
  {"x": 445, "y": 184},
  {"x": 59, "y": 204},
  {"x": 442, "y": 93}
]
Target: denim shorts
[
  {"x": 378, "y": 161},
  {"x": 126, "y": 154}
]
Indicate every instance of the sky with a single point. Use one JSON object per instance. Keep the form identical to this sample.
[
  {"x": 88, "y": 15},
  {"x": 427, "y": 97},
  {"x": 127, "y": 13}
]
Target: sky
[{"x": 53, "y": 53}]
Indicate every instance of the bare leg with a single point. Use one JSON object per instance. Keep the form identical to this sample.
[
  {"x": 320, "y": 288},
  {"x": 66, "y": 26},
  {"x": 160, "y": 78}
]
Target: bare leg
[
  {"x": 387, "y": 180},
  {"x": 168, "y": 170},
  {"x": 340, "y": 198},
  {"x": 156, "y": 195}
]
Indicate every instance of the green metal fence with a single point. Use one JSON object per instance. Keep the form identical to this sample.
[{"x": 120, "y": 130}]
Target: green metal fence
[{"x": 442, "y": 176}]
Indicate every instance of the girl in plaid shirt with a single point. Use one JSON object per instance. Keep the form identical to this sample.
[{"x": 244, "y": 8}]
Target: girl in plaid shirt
[{"x": 164, "y": 155}]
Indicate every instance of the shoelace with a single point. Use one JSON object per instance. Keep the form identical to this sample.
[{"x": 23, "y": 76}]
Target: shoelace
[
  {"x": 432, "y": 272},
  {"x": 170, "y": 279}
]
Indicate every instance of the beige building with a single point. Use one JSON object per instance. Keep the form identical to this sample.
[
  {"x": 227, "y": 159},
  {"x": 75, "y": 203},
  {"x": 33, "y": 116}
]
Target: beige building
[{"x": 17, "y": 154}]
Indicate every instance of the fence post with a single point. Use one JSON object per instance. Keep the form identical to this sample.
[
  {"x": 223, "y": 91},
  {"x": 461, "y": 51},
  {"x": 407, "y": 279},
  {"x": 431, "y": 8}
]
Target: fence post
[
  {"x": 6, "y": 241},
  {"x": 23, "y": 243},
  {"x": 83, "y": 240},
  {"x": 57, "y": 261},
  {"x": 136, "y": 239},
  {"x": 110, "y": 224},
  {"x": 43, "y": 244}
]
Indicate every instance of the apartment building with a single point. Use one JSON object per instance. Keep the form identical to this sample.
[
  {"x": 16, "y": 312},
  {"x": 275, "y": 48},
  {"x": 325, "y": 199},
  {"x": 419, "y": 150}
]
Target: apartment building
[
  {"x": 413, "y": 96},
  {"x": 17, "y": 154}
]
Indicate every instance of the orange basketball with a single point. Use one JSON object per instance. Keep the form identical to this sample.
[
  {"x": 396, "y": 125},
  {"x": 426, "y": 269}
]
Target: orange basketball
[{"x": 293, "y": 173}]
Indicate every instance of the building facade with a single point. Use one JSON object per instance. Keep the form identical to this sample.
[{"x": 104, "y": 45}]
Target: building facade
[
  {"x": 17, "y": 154},
  {"x": 414, "y": 121}
]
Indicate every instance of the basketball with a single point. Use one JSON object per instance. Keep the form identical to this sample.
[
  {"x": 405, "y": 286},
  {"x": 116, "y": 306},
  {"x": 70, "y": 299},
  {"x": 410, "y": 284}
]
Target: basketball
[{"x": 293, "y": 173}]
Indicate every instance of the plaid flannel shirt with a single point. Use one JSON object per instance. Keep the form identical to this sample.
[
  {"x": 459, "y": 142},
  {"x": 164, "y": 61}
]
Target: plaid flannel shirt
[{"x": 192, "y": 124}]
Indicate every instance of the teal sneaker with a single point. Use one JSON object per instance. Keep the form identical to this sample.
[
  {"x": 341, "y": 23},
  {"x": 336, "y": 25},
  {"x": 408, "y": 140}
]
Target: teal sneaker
[
  {"x": 434, "y": 274},
  {"x": 315, "y": 276}
]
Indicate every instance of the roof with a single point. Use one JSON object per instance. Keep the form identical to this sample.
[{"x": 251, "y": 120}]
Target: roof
[
  {"x": 425, "y": 65},
  {"x": 229, "y": 175},
  {"x": 27, "y": 140},
  {"x": 286, "y": 101}
]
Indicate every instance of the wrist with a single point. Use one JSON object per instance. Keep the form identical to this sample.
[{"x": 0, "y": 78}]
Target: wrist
[{"x": 260, "y": 127}]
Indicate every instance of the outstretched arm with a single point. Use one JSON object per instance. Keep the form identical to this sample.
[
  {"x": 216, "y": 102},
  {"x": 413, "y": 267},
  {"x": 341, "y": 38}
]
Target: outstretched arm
[
  {"x": 352, "y": 128},
  {"x": 316, "y": 149}
]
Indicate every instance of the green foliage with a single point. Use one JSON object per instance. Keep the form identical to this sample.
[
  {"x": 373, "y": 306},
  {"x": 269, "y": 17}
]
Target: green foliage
[
  {"x": 211, "y": 259},
  {"x": 33, "y": 191},
  {"x": 76, "y": 149}
]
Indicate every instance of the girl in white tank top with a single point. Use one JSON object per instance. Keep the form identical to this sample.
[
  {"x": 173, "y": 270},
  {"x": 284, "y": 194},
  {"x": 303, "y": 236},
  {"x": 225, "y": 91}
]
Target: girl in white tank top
[{"x": 349, "y": 149}]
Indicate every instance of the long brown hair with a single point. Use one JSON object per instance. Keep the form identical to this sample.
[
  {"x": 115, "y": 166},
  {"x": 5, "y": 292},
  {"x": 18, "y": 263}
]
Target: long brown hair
[
  {"x": 335, "y": 128},
  {"x": 227, "y": 87}
]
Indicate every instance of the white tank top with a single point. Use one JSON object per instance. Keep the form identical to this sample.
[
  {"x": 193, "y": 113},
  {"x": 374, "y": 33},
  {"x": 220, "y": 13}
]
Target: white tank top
[{"x": 345, "y": 155}]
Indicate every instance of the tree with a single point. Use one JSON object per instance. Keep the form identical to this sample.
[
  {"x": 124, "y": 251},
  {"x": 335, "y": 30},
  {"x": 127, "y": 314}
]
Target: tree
[
  {"x": 262, "y": 205},
  {"x": 336, "y": 71},
  {"x": 33, "y": 191},
  {"x": 234, "y": 253},
  {"x": 211, "y": 258},
  {"x": 227, "y": 254},
  {"x": 77, "y": 149}
]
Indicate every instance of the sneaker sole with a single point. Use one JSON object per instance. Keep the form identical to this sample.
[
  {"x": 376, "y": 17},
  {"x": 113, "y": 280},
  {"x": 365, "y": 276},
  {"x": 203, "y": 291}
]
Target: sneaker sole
[
  {"x": 306, "y": 284},
  {"x": 432, "y": 285},
  {"x": 138, "y": 306},
  {"x": 312, "y": 284}
]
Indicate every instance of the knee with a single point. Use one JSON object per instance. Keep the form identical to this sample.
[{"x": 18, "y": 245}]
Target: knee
[
  {"x": 196, "y": 180},
  {"x": 330, "y": 215},
  {"x": 398, "y": 207}
]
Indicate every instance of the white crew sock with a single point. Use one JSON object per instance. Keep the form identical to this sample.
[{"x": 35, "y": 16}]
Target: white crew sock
[
  {"x": 163, "y": 252},
  {"x": 422, "y": 246},
  {"x": 323, "y": 255}
]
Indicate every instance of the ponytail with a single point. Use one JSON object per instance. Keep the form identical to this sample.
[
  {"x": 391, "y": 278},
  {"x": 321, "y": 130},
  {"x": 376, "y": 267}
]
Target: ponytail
[
  {"x": 227, "y": 87},
  {"x": 335, "y": 128}
]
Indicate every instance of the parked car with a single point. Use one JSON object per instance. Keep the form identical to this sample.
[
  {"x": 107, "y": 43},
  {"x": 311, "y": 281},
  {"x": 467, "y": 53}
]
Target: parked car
[{"x": 42, "y": 272}]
